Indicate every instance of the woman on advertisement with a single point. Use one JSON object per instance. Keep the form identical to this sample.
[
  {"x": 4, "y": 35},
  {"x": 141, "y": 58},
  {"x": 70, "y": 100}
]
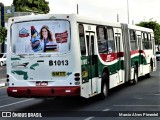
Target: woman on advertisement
[{"x": 47, "y": 42}]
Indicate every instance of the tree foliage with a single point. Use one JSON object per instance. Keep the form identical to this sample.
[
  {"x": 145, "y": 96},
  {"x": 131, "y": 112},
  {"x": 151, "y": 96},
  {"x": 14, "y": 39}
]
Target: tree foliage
[
  {"x": 39, "y": 6},
  {"x": 3, "y": 34},
  {"x": 154, "y": 26}
]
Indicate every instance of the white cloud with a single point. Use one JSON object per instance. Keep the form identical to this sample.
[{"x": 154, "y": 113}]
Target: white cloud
[{"x": 6, "y": 2}]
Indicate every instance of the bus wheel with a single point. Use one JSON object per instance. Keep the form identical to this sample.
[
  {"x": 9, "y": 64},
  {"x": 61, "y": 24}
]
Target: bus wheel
[
  {"x": 104, "y": 88},
  {"x": 148, "y": 75},
  {"x": 135, "y": 80}
]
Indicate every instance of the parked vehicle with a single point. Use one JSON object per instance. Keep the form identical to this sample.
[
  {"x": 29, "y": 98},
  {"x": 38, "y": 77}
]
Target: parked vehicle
[{"x": 3, "y": 60}]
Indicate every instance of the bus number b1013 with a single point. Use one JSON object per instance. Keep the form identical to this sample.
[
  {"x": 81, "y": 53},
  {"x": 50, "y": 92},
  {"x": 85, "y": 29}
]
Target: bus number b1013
[{"x": 58, "y": 62}]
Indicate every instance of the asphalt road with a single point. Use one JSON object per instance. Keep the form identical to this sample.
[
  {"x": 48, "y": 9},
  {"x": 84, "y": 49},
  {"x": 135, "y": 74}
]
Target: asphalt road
[
  {"x": 2, "y": 72},
  {"x": 131, "y": 102}
]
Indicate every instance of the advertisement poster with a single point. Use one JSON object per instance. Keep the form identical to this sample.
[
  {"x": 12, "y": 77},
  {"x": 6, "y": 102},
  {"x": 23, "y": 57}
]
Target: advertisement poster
[{"x": 40, "y": 37}]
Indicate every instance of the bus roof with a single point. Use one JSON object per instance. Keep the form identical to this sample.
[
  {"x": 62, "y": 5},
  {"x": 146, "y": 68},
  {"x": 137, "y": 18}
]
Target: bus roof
[
  {"x": 139, "y": 28},
  {"x": 93, "y": 20},
  {"x": 78, "y": 18}
]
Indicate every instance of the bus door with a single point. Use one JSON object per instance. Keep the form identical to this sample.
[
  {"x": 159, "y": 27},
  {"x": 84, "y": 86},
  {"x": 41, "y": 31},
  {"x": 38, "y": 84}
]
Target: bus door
[
  {"x": 92, "y": 61},
  {"x": 140, "y": 55},
  {"x": 119, "y": 64}
]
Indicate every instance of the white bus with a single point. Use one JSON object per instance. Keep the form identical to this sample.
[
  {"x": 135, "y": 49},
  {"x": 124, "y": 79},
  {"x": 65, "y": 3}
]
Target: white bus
[{"x": 79, "y": 57}]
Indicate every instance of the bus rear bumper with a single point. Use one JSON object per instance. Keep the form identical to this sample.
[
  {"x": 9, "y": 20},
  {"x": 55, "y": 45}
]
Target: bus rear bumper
[{"x": 43, "y": 91}]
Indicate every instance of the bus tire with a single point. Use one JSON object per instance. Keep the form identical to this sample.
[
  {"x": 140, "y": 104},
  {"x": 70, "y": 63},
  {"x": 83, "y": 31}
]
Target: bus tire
[
  {"x": 104, "y": 87},
  {"x": 148, "y": 75},
  {"x": 135, "y": 79}
]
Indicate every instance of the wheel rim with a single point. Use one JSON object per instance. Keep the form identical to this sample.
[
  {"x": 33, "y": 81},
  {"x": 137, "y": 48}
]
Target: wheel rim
[
  {"x": 135, "y": 77},
  {"x": 105, "y": 90}
]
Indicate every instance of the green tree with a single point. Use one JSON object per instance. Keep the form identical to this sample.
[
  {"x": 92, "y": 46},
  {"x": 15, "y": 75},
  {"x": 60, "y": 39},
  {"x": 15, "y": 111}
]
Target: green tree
[
  {"x": 39, "y": 6},
  {"x": 154, "y": 26},
  {"x": 3, "y": 34}
]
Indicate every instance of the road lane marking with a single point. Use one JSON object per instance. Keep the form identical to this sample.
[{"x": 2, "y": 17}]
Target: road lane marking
[
  {"x": 106, "y": 109},
  {"x": 89, "y": 118},
  {"x": 156, "y": 94},
  {"x": 139, "y": 98},
  {"x": 136, "y": 105},
  {"x": 16, "y": 103}
]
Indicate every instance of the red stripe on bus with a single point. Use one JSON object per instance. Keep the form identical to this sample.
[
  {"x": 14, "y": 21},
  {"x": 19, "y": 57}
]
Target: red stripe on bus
[
  {"x": 108, "y": 57},
  {"x": 111, "y": 56},
  {"x": 142, "y": 51},
  {"x": 137, "y": 51},
  {"x": 121, "y": 54},
  {"x": 134, "y": 52},
  {"x": 43, "y": 91}
]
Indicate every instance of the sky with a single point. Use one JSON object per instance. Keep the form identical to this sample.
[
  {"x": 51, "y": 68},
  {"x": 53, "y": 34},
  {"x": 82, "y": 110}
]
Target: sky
[{"x": 139, "y": 10}]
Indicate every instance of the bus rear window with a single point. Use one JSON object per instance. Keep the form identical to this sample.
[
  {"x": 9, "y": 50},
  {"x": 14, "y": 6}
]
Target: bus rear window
[{"x": 40, "y": 37}]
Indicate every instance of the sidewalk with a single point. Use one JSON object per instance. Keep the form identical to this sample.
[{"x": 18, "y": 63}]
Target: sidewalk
[{"x": 2, "y": 82}]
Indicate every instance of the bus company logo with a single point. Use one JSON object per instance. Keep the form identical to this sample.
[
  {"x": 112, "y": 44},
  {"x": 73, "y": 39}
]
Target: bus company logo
[
  {"x": 6, "y": 114},
  {"x": 23, "y": 33},
  {"x": 109, "y": 58}
]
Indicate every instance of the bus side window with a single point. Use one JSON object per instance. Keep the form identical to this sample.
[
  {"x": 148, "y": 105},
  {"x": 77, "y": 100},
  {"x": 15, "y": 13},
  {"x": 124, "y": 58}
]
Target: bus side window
[
  {"x": 147, "y": 44},
  {"x": 82, "y": 40},
  {"x": 150, "y": 41},
  {"x": 133, "y": 40},
  {"x": 110, "y": 38},
  {"x": 139, "y": 42},
  {"x": 101, "y": 37},
  {"x": 117, "y": 38}
]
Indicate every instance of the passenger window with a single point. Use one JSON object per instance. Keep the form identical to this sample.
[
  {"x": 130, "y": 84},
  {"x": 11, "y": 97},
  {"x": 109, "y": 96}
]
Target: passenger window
[
  {"x": 82, "y": 40},
  {"x": 139, "y": 41},
  {"x": 110, "y": 38},
  {"x": 106, "y": 43},
  {"x": 146, "y": 41},
  {"x": 102, "y": 42},
  {"x": 133, "y": 40}
]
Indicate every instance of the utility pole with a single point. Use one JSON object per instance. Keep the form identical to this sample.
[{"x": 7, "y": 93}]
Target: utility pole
[
  {"x": 117, "y": 17},
  {"x": 128, "y": 10},
  {"x": 77, "y": 9},
  {"x": 2, "y": 14},
  {"x": 2, "y": 24}
]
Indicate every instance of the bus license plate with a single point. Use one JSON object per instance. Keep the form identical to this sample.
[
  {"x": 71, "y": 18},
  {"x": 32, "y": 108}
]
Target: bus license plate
[
  {"x": 43, "y": 83},
  {"x": 59, "y": 74}
]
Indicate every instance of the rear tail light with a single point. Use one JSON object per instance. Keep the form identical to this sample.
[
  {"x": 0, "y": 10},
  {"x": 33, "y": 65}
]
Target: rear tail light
[
  {"x": 77, "y": 79},
  {"x": 77, "y": 76},
  {"x": 7, "y": 80}
]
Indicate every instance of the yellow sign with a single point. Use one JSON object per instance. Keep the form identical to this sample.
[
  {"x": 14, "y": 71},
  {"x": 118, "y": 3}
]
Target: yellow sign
[
  {"x": 84, "y": 74},
  {"x": 59, "y": 74}
]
